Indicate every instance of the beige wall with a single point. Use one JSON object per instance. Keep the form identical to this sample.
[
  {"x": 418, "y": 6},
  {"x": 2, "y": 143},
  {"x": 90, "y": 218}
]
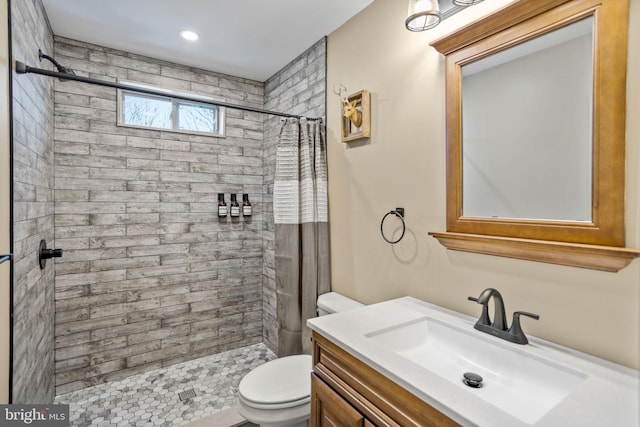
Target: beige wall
[
  {"x": 5, "y": 202},
  {"x": 403, "y": 165}
]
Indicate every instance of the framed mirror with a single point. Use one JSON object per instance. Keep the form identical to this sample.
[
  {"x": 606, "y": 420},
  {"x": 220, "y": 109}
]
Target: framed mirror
[
  {"x": 535, "y": 97},
  {"x": 530, "y": 104}
]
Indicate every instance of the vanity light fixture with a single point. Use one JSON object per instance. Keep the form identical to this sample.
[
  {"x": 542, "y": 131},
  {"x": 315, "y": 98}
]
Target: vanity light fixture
[
  {"x": 465, "y": 3},
  {"x": 426, "y": 14},
  {"x": 189, "y": 35},
  {"x": 422, "y": 15}
]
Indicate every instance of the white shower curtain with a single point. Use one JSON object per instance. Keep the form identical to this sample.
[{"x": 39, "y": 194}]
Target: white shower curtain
[{"x": 301, "y": 230}]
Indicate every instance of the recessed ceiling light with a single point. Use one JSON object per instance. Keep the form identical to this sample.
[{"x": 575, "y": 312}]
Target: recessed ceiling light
[{"x": 189, "y": 35}]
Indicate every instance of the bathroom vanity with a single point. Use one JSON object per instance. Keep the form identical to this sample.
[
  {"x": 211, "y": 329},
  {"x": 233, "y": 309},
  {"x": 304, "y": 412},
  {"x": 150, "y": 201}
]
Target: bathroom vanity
[
  {"x": 401, "y": 363},
  {"x": 347, "y": 392}
]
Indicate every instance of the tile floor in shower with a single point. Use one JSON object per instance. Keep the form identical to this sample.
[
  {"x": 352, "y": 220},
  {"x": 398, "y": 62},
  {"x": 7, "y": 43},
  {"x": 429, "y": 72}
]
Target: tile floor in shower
[{"x": 152, "y": 398}]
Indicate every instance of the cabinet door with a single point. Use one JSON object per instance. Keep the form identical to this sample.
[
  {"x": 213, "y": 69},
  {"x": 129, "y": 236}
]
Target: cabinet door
[{"x": 328, "y": 409}]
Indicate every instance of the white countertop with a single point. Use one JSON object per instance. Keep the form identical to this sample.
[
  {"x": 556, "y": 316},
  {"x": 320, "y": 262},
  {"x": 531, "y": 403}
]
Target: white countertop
[{"x": 609, "y": 396}]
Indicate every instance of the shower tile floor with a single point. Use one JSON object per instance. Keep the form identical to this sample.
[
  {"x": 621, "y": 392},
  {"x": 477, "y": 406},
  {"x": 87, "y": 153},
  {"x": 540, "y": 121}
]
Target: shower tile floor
[{"x": 152, "y": 398}]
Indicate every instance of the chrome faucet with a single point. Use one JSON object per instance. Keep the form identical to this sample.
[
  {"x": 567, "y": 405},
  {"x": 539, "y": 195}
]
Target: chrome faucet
[{"x": 498, "y": 327}]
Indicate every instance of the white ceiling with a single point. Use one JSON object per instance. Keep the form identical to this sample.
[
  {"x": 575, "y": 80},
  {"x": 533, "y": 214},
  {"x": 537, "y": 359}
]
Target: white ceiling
[{"x": 247, "y": 38}]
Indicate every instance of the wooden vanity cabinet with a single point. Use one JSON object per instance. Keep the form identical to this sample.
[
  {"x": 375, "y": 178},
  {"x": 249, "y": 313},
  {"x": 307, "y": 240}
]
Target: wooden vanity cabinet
[
  {"x": 345, "y": 392},
  {"x": 330, "y": 409}
]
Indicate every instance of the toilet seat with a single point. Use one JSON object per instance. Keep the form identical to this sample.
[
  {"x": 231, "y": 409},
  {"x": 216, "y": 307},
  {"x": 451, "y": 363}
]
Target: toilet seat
[
  {"x": 280, "y": 383},
  {"x": 274, "y": 406}
]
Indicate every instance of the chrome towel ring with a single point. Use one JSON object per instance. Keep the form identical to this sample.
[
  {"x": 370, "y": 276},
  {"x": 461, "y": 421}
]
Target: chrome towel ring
[{"x": 399, "y": 213}]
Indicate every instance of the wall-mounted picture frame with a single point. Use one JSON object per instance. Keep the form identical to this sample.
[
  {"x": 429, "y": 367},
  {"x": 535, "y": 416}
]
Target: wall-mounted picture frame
[{"x": 356, "y": 116}]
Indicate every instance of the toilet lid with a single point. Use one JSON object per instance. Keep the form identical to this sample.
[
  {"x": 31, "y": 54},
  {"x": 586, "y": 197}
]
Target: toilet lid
[{"x": 287, "y": 379}]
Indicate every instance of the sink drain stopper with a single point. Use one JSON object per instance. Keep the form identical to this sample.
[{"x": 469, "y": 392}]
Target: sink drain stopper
[{"x": 472, "y": 379}]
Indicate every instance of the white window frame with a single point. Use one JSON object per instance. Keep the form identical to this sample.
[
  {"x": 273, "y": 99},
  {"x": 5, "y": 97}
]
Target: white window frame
[{"x": 170, "y": 95}]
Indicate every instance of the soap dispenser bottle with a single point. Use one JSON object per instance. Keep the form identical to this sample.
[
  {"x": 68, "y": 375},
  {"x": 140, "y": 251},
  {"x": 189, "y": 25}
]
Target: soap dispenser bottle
[
  {"x": 246, "y": 205},
  {"x": 234, "y": 206},
  {"x": 222, "y": 206}
]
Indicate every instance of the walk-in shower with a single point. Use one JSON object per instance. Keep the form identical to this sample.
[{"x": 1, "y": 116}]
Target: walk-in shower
[{"x": 150, "y": 277}]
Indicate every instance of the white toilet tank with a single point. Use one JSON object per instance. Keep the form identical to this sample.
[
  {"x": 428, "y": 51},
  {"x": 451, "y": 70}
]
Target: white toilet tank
[{"x": 333, "y": 302}]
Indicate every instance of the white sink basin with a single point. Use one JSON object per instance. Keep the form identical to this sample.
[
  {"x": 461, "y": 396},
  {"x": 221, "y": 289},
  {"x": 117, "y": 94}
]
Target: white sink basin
[{"x": 518, "y": 383}]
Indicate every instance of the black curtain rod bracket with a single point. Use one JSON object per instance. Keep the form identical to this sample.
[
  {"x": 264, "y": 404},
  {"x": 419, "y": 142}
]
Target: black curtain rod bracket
[{"x": 22, "y": 68}]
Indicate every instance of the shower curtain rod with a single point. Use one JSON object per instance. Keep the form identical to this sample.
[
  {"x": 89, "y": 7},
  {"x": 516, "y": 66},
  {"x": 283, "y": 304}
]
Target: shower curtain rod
[{"x": 22, "y": 68}]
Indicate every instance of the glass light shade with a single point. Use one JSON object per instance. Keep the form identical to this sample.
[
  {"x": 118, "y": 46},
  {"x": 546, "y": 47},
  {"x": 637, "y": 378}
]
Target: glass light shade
[
  {"x": 422, "y": 15},
  {"x": 465, "y": 3}
]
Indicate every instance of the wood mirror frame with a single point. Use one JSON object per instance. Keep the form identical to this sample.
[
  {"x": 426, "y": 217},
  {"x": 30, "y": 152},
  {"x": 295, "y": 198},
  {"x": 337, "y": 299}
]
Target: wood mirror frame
[{"x": 598, "y": 244}]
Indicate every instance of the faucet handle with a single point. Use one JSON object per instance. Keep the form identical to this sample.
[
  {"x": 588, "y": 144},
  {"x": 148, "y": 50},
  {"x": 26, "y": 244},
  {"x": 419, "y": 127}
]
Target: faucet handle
[
  {"x": 517, "y": 314},
  {"x": 484, "y": 316},
  {"x": 515, "y": 331}
]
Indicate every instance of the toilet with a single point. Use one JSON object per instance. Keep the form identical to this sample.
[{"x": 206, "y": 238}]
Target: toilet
[{"x": 278, "y": 393}]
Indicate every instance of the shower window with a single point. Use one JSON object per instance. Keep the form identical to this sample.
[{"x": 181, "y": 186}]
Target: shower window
[
  {"x": 146, "y": 111},
  {"x": 168, "y": 113},
  {"x": 196, "y": 117}
]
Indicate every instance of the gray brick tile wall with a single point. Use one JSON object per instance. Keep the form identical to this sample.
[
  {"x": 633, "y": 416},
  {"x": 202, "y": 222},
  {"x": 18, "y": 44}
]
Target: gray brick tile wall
[
  {"x": 151, "y": 276},
  {"x": 33, "y": 130}
]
